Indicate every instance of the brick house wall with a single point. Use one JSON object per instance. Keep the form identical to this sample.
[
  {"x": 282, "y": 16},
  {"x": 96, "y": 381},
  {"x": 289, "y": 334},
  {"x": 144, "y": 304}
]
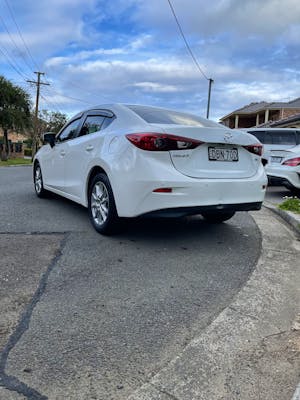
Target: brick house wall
[
  {"x": 289, "y": 112},
  {"x": 16, "y": 143}
]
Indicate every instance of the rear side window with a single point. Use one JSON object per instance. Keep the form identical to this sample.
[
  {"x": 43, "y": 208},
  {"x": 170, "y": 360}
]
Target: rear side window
[
  {"x": 259, "y": 135},
  {"x": 92, "y": 124},
  {"x": 107, "y": 121}
]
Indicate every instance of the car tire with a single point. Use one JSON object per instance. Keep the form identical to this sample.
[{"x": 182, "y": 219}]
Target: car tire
[
  {"x": 295, "y": 191},
  {"x": 101, "y": 206},
  {"x": 216, "y": 217},
  {"x": 38, "y": 181}
]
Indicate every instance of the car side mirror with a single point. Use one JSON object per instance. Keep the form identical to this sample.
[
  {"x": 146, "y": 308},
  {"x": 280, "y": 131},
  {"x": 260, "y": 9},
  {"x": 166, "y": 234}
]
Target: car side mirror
[{"x": 49, "y": 138}]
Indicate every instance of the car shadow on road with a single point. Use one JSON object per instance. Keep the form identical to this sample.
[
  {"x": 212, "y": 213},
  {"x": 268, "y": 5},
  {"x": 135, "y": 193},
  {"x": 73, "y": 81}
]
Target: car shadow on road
[{"x": 159, "y": 229}]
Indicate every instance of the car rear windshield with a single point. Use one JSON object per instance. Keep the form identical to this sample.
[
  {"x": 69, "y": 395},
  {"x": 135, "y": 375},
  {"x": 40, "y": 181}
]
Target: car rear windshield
[{"x": 154, "y": 115}]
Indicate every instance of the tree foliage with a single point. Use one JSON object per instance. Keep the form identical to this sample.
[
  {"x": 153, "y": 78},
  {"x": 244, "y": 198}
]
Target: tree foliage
[
  {"x": 51, "y": 121},
  {"x": 14, "y": 106},
  {"x": 14, "y": 110}
]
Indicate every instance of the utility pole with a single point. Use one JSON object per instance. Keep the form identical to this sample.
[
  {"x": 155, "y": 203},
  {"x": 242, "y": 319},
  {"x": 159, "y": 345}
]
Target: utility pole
[
  {"x": 210, "y": 82},
  {"x": 38, "y": 83}
]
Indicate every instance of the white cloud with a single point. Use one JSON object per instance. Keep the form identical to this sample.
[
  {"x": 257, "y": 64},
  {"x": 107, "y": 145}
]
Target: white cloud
[
  {"x": 131, "y": 48},
  {"x": 173, "y": 82},
  {"x": 248, "y": 47},
  {"x": 154, "y": 87},
  {"x": 247, "y": 17}
]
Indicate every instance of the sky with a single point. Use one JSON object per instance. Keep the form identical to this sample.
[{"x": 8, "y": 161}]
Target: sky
[{"x": 130, "y": 51}]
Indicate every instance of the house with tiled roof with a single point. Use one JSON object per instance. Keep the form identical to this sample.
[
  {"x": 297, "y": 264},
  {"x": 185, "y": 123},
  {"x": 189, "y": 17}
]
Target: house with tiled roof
[
  {"x": 290, "y": 122},
  {"x": 261, "y": 113}
]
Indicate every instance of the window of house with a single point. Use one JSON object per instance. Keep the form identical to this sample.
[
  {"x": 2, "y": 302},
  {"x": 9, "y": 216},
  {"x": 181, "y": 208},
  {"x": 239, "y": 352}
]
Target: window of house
[{"x": 18, "y": 147}]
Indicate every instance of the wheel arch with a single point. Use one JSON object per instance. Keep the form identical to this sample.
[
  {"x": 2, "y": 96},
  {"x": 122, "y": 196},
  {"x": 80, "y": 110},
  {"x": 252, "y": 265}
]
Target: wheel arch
[
  {"x": 93, "y": 172},
  {"x": 35, "y": 163}
]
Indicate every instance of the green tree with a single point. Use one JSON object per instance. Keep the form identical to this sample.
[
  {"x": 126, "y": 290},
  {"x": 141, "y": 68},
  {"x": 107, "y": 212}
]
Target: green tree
[
  {"x": 51, "y": 121},
  {"x": 14, "y": 111}
]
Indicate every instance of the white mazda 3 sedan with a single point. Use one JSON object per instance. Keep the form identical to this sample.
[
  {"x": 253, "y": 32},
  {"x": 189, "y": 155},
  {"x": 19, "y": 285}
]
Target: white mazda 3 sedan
[{"x": 131, "y": 160}]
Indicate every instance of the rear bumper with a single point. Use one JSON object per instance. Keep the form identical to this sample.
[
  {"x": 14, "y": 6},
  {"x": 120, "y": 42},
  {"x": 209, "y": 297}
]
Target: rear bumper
[
  {"x": 190, "y": 196},
  {"x": 279, "y": 181},
  {"x": 284, "y": 176},
  {"x": 183, "y": 211}
]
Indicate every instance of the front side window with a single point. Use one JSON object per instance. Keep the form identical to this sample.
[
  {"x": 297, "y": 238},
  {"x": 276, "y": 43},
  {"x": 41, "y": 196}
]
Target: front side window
[
  {"x": 91, "y": 124},
  {"x": 69, "y": 132}
]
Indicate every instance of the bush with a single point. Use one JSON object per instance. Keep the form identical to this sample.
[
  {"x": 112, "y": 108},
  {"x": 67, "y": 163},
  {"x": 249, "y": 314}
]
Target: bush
[
  {"x": 28, "y": 143},
  {"x": 27, "y": 153}
]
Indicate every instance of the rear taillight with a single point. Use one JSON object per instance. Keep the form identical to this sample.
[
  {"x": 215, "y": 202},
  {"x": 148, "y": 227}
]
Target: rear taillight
[
  {"x": 293, "y": 162},
  {"x": 161, "y": 142},
  {"x": 256, "y": 149}
]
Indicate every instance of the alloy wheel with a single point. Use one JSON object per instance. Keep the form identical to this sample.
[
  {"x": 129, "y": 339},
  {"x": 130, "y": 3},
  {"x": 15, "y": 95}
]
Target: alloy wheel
[
  {"x": 100, "y": 203},
  {"x": 38, "y": 183}
]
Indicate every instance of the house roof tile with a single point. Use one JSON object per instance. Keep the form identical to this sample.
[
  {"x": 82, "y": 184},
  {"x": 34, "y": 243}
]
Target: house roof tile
[{"x": 263, "y": 105}]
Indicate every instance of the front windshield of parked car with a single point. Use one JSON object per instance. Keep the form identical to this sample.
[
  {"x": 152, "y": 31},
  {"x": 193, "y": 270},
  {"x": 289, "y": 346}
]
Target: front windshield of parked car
[{"x": 154, "y": 115}]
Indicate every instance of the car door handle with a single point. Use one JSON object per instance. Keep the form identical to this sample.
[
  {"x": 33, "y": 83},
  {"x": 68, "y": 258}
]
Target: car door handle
[
  {"x": 62, "y": 153},
  {"x": 89, "y": 148}
]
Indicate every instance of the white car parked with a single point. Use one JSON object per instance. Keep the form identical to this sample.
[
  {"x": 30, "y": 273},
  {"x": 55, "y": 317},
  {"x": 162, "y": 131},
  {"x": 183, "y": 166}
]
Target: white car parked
[
  {"x": 281, "y": 155},
  {"x": 275, "y": 139},
  {"x": 283, "y": 168},
  {"x": 129, "y": 160}
]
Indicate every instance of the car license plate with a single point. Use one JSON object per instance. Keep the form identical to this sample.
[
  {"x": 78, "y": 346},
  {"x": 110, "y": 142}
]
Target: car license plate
[
  {"x": 223, "y": 154},
  {"x": 276, "y": 159}
]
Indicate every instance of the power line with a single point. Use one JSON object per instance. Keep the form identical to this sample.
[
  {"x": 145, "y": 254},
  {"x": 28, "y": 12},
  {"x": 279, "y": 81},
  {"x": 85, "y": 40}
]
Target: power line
[
  {"x": 38, "y": 83},
  {"x": 12, "y": 64},
  {"x": 15, "y": 44},
  {"x": 52, "y": 104},
  {"x": 20, "y": 34},
  {"x": 69, "y": 97},
  {"x": 88, "y": 91},
  {"x": 185, "y": 41},
  {"x": 210, "y": 80}
]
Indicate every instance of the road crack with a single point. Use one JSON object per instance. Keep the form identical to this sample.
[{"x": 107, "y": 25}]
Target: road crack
[
  {"x": 11, "y": 382},
  {"x": 171, "y": 396}
]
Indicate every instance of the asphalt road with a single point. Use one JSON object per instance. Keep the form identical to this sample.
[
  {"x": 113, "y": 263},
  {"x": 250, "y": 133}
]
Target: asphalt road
[
  {"x": 276, "y": 194},
  {"x": 108, "y": 312}
]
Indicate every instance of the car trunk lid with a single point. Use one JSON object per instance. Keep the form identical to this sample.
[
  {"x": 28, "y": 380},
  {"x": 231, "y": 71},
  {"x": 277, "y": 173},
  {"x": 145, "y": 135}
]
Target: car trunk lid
[{"x": 221, "y": 155}]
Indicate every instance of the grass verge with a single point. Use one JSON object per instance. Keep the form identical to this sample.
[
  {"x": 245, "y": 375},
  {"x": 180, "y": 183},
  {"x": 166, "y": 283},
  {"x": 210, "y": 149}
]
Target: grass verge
[
  {"x": 15, "y": 161},
  {"x": 291, "y": 204}
]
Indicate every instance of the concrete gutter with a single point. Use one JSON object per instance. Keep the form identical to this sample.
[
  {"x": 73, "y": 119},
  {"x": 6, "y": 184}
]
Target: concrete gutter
[
  {"x": 291, "y": 218},
  {"x": 251, "y": 350}
]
